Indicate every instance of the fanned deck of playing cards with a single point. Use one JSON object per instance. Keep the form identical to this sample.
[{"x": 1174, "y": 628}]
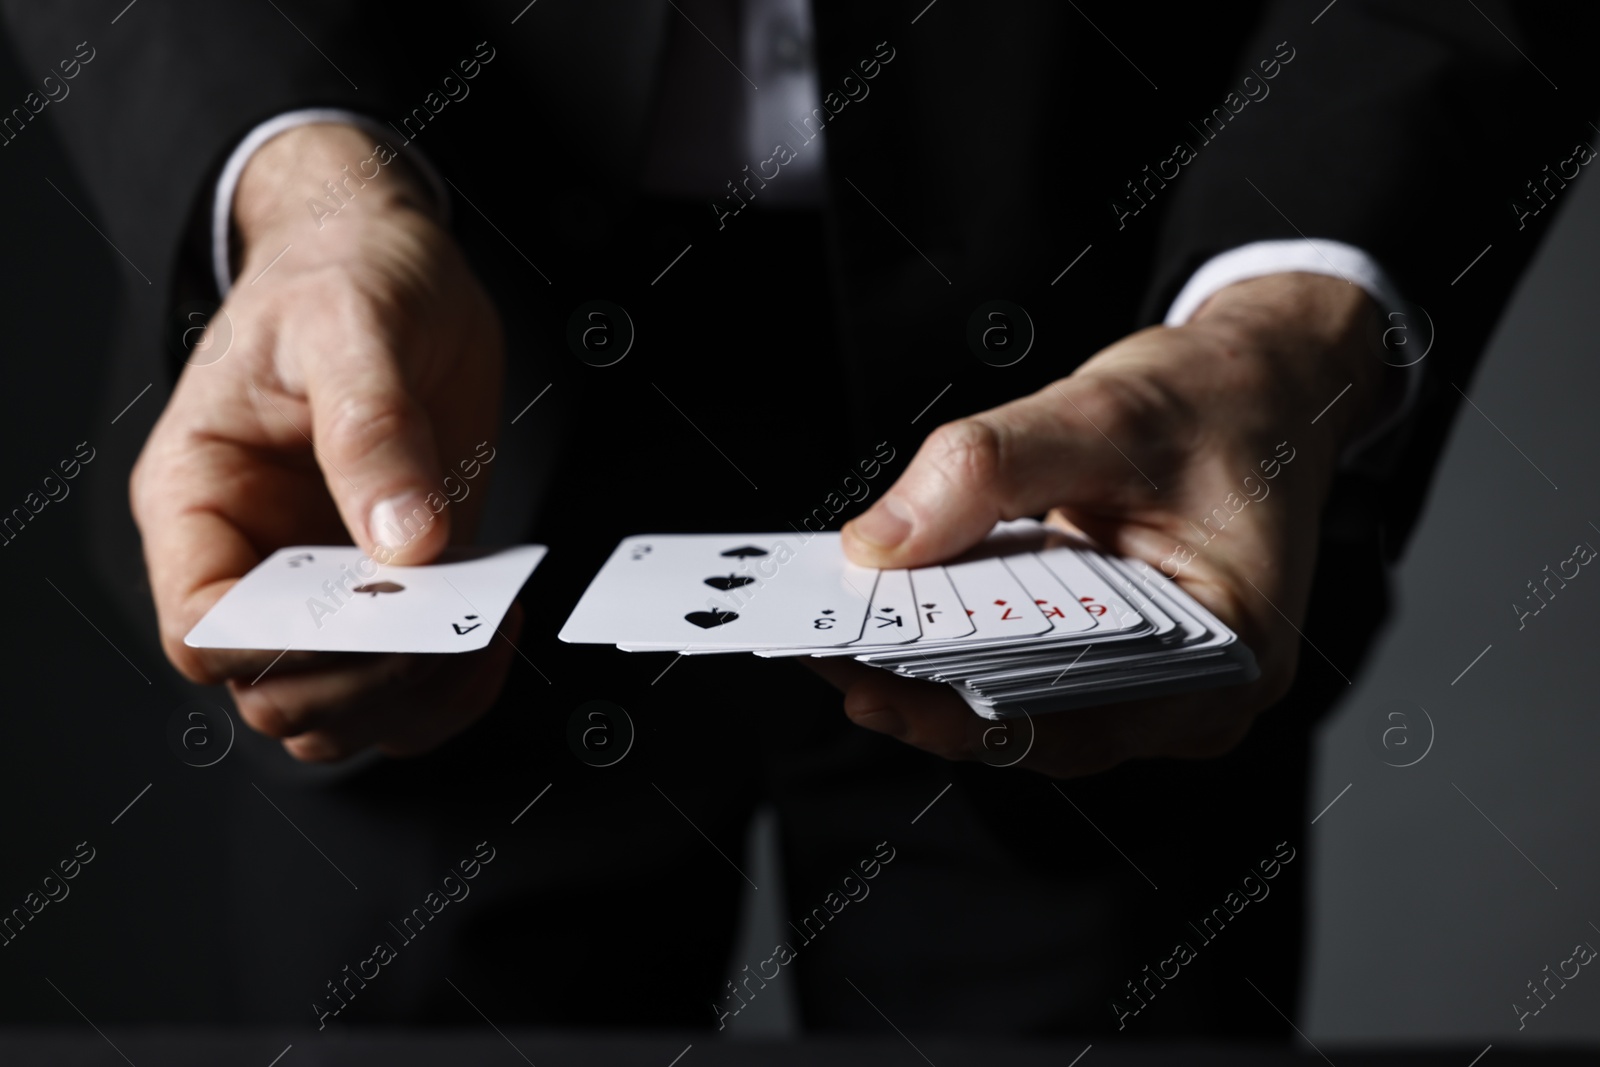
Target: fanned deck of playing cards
[{"x": 1033, "y": 620}]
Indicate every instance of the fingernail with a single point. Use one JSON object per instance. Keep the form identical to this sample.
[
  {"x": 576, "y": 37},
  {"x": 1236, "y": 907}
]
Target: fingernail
[
  {"x": 886, "y": 523},
  {"x": 396, "y": 522}
]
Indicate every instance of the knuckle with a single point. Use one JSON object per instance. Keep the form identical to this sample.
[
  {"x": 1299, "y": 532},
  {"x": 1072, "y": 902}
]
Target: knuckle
[
  {"x": 356, "y": 426},
  {"x": 1114, "y": 403},
  {"x": 1103, "y": 399},
  {"x": 1133, "y": 407},
  {"x": 968, "y": 451}
]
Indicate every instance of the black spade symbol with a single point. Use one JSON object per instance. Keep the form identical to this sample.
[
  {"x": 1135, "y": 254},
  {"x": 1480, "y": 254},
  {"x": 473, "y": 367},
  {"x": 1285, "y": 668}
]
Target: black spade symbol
[
  {"x": 378, "y": 587},
  {"x": 732, "y": 581},
  {"x": 744, "y": 552},
  {"x": 708, "y": 619}
]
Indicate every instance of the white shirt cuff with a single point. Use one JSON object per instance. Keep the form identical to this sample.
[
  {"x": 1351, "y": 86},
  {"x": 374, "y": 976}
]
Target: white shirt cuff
[
  {"x": 228, "y": 182},
  {"x": 1334, "y": 259}
]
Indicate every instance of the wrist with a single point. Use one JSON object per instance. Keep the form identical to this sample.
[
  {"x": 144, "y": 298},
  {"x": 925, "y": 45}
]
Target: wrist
[{"x": 323, "y": 179}]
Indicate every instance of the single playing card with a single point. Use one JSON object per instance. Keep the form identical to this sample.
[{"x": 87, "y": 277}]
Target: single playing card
[
  {"x": 338, "y": 599},
  {"x": 733, "y": 592}
]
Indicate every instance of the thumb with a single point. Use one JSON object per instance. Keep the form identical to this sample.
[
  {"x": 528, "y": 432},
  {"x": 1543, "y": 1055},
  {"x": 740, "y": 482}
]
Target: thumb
[
  {"x": 1054, "y": 448},
  {"x": 378, "y": 455}
]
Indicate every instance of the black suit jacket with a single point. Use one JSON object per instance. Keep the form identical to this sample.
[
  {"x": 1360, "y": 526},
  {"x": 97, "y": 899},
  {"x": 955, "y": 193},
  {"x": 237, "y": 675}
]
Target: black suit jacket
[{"x": 1002, "y": 140}]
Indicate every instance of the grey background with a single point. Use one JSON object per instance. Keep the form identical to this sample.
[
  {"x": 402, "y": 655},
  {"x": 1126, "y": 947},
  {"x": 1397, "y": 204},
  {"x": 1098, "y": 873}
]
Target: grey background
[{"x": 1427, "y": 921}]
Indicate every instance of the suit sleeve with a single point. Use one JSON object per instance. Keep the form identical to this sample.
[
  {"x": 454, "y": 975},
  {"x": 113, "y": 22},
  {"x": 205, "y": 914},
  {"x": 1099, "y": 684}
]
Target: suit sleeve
[
  {"x": 1409, "y": 130},
  {"x": 172, "y": 86},
  {"x": 146, "y": 124}
]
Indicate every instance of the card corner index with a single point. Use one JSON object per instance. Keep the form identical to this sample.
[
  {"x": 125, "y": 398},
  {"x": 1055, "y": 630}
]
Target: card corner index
[{"x": 482, "y": 641}]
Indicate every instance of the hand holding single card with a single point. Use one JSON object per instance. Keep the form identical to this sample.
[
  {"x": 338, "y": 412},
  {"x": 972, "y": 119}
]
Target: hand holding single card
[
  {"x": 1155, "y": 435},
  {"x": 329, "y": 398}
]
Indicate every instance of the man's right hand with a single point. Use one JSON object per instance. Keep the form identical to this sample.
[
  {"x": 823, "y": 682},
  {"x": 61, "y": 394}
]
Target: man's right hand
[{"x": 365, "y": 365}]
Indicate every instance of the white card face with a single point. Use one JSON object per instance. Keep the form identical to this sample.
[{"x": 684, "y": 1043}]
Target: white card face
[
  {"x": 724, "y": 591},
  {"x": 1175, "y": 599},
  {"x": 939, "y": 609},
  {"x": 1110, "y": 609},
  {"x": 995, "y": 601},
  {"x": 1166, "y": 628},
  {"x": 893, "y": 619},
  {"x": 1053, "y": 598},
  {"x": 891, "y": 623},
  {"x": 1151, "y": 587},
  {"x": 338, "y": 599}
]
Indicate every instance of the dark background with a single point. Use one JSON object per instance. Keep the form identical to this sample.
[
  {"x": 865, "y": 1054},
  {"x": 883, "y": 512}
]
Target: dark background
[{"x": 1428, "y": 917}]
